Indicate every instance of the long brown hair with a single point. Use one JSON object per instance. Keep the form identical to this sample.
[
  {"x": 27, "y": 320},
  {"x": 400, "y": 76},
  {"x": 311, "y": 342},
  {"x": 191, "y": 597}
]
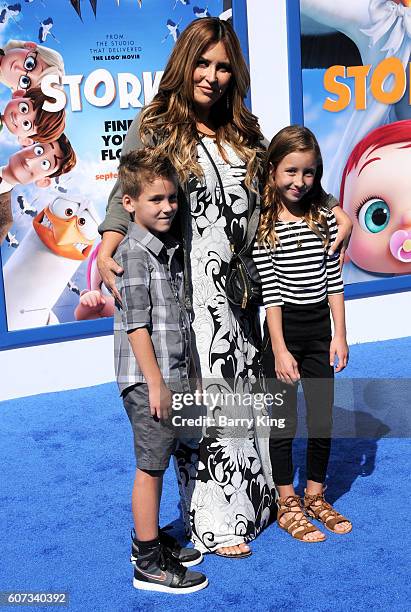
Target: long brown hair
[
  {"x": 170, "y": 118},
  {"x": 289, "y": 140}
]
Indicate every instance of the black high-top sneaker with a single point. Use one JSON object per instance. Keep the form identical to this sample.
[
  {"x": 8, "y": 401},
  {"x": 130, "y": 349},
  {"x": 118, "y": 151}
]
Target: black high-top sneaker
[
  {"x": 155, "y": 570},
  {"x": 188, "y": 557}
]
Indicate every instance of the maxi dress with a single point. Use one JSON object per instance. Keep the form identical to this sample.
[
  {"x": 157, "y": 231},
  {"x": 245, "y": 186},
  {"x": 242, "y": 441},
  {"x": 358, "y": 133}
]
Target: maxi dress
[{"x": 223, "y": 482}]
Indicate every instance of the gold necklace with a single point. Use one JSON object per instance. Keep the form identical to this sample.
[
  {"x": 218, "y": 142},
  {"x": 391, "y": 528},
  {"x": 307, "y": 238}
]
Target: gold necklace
[{"x": 291, "y": 234}]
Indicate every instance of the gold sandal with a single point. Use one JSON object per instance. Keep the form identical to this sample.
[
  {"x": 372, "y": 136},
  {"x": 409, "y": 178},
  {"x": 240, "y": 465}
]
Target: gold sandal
[
  {"x": 296, "y": 527},
  {"x": 324, "y": 512}
]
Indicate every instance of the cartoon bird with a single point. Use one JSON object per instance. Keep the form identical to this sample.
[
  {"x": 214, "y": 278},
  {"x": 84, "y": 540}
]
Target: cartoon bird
[
  {"x": 226, "y": 15},
  {"x": 201, "y": 12},
  {"x": 174, "y": 32},
  {"x": 59, "y": 184},
  {"x": 25, "y": 207},
  {"x": 183, "y": 2},
  {"x": 9, "y": 12},
  {"x": 60, "y": 239},
  {"x": 73, "y": 287},
  {"x": 45, "y": 29},
  {"x": 76, "y": 4},
  {"x": 11, "y": 239}
]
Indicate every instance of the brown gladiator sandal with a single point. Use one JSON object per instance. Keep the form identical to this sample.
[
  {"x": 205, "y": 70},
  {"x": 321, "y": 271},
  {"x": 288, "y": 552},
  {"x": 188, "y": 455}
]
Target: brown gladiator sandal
[
  {"x": 324, "y": 512},
  {"x": 296, "y": 527}
]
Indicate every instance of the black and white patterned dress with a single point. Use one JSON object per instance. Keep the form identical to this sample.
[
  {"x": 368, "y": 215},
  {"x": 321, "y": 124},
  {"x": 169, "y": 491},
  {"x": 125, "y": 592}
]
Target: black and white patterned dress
[{"x": 224, "y": 482}]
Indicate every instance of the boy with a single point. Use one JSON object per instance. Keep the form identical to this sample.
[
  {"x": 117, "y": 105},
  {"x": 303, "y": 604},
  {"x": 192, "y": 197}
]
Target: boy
[
  {"x": 152, "y": 358},
  {"x": 25, "y": 117}
]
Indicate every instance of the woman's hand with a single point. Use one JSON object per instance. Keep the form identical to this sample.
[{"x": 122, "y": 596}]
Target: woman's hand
[
  {"x": 339, "y": 347},
  {"x": 286, "y": 367},
  {"x": 106, "y": 265}
]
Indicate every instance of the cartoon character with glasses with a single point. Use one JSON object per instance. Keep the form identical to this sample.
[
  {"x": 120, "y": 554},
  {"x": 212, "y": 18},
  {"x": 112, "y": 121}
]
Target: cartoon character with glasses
[
  {"x": 25, "y": 117},
  {"x": 24, "y": 64}
]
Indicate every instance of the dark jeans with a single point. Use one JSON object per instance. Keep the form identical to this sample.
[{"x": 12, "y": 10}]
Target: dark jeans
[{"x": 317, "y": 378}]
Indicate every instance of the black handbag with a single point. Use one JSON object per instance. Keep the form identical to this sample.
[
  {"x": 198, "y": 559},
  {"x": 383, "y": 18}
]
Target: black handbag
[{"x": 243, "y": 284}]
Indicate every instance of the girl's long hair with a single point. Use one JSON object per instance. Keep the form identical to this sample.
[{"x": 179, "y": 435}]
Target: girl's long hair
[
  {"x": 170, "y": 118},
  {"x": 290, "y": 140}
]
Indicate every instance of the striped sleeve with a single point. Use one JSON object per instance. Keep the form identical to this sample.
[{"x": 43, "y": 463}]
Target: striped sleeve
[
  {"x": 334, "y": 279},
  {"x": 263, "y": 260}
]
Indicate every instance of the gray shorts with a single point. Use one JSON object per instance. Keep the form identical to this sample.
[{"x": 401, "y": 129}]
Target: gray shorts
[{"x": 154, "y": 441}]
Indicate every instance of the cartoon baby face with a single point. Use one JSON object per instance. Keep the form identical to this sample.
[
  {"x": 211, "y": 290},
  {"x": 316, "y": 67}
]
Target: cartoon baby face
[
  {"x": 377, "y": 198},
  {"x": 21, "y": 68},
  {"x": 20, "y": 117}
]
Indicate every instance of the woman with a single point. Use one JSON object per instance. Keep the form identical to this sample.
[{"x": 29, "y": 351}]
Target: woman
[{"x": 199, "y": 119}]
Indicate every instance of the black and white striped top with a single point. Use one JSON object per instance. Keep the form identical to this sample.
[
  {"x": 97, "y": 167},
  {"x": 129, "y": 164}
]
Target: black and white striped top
[{"x": 298, "y": 275}]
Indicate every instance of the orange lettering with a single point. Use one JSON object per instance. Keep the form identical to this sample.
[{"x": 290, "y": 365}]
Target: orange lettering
[
  {"x": 360, "y": 74},
  {"x": 391, "y": 65},
  {"x": 335, "y": 87}
]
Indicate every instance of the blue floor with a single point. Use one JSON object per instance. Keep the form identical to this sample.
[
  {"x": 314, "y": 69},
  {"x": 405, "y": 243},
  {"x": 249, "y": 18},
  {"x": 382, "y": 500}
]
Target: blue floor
[{"x": 66, "y": 470}]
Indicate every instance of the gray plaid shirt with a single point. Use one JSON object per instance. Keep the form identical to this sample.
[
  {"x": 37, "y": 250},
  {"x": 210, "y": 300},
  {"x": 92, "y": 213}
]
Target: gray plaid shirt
[{"x": 152, "y": 293}]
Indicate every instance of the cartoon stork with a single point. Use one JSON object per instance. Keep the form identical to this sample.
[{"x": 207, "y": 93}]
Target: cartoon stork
[{"x": 60, "y": 239}]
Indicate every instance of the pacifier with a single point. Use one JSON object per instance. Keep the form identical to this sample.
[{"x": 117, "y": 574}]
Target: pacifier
[{"x": 400, "y": 245}]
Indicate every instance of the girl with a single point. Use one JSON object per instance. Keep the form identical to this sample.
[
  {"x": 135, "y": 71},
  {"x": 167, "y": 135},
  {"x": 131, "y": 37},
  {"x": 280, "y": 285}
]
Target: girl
[{"x": 300, "y": 283}]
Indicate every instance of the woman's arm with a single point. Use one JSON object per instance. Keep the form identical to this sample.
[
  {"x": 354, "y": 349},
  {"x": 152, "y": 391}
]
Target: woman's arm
[
  {"x": 117, "y": 218},
  {"x": 342, "y": 239},
  {"x": 116, "y": 221},
  {"x": 107, "y": 267}
]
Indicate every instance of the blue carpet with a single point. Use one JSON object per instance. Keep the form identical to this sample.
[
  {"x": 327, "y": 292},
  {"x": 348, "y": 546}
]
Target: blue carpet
[{"x": 67, "y": 466}]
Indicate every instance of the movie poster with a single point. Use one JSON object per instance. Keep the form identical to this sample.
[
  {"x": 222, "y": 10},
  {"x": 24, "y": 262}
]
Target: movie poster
[
  {"x": 356, "y": 85},
  {"x": 73, "y": 75}
]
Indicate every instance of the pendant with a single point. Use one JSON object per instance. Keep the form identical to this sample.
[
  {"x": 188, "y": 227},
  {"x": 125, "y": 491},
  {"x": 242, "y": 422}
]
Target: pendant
[{"x": 299, "y": 244}]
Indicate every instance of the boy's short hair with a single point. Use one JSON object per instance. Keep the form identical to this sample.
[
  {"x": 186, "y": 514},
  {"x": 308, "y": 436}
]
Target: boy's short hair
[
  {"x": 69, "y": 157},
  {"x": 49, "y": 125},
  {"x": 140, "y": 167}
]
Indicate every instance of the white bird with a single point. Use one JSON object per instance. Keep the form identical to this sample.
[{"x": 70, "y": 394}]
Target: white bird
[
  {"x": 173, "y": 30},
  {"x": 60, "y": 183},
  {"x": 73, "y": 287},
  {"x": 11, "y": 239},
  {"x": 45, "y": 29},
  {"x": 226, "y": 15},
  {"x": 201, "y": 12},
  {"x": 184, "y": 2},
  {"x": 140, "y": 2},
  {"x": 9, "y": 12},
  {"x": 25, "y": 207}
]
